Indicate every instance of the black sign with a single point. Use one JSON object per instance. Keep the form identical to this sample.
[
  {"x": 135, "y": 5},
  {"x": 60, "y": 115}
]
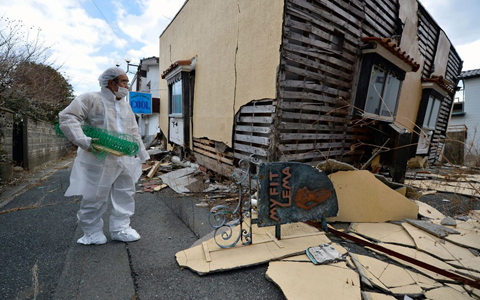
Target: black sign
[{"x": 294, "y": 192}]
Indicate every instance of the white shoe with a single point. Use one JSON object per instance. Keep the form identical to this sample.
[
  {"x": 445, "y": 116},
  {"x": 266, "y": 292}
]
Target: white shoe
[
  {"x": 97, "y": 238},
  {"x": 125, "y": 235}
]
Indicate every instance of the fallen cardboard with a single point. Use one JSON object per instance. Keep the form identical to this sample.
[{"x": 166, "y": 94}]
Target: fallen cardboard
[
  {"x": 453, "y": 254},
  {"x": 428, "y": 211},
  {"x": 392, "y": 278},
  {"x": 446, "y": 293},
  {"x": 383, "y": 232},
  {"x": 364, "y": 198},
  {"x": 376, "y": 296},
  {"x": 421, "y": 256},
  {"x": 475, "y": 214},
  {"x": 209, "y": 257},
  {"x": 304, "y": 280},
  {"x": 469, "y": 234}
]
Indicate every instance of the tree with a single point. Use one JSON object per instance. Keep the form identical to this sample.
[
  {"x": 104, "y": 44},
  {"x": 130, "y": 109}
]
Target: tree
[{"x": 29, "y": 84}]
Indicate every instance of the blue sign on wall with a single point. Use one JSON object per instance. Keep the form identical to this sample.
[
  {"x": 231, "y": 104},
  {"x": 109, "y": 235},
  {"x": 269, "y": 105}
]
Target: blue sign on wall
[{"x": 141, "y": 103}]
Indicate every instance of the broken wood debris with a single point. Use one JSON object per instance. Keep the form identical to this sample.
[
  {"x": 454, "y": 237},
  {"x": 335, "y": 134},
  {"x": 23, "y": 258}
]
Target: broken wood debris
[{"x": 438, "y": 256}]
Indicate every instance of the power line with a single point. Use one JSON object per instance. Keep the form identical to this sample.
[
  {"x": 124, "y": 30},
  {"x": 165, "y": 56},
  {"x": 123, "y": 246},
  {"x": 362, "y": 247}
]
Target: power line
[{"x": 109, "y": 25}]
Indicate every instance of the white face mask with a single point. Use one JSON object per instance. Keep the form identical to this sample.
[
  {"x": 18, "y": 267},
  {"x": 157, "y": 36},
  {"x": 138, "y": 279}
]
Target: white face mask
[{"x": 122, "y": 92}]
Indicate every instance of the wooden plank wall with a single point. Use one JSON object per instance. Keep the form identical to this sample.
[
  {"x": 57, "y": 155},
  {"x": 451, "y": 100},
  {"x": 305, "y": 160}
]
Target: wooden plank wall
[
  {"x": 316, "y": 77},
  {"x": 213, "y": 155},
  {"x": 428, "y": 34},
  {"x": 253, "y": 129}
]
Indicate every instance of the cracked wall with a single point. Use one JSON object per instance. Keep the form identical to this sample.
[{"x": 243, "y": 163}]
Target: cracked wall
[{"x": 237, "y": 47}]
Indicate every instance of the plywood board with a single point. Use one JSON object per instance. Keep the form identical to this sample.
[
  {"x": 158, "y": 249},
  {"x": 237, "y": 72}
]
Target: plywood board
[
  {"x": 364, "y": 198},
  {"x": 421, "y": 256},
  {"x": 299, "y": 280},
  {"x": 383, "y": 232},
  {"x": 428, "y": 211},
  {"x": 447, "y": 251},
  {"x": 446, "y": 293},
  {"x": 376, "y": 296},
  {"x": 391, "y": 277},
  {"x": 475, "y": 214},
  {"x": 412, "y": 290},
  {"x": 296, "y": 237},
  {"x": 469, "y": 234}
]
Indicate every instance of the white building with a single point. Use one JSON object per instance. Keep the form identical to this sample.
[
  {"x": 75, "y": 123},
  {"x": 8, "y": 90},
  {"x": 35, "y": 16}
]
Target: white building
[
  {"x": 466, "y": 111},
  {"x": 146, "y": 80}
]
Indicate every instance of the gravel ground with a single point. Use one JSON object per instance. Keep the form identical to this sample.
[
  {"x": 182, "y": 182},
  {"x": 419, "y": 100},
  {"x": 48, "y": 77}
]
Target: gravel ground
[{"x": 450, "y": 204}]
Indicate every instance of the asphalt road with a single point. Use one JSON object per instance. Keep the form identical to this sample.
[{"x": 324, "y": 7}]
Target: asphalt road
[{"x": 40, "y": 259}]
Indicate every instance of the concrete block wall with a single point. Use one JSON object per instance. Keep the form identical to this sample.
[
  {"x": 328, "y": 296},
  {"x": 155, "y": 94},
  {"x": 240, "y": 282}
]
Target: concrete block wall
[{"x": 43, "y": 145}]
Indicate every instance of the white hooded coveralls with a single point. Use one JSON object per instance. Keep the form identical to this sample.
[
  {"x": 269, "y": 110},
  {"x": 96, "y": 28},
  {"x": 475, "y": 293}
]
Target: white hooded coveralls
[{"x": 114, "y": 177}]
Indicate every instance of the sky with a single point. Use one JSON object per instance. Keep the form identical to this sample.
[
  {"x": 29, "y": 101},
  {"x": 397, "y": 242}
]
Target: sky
[{"x": 88, "y": 36}]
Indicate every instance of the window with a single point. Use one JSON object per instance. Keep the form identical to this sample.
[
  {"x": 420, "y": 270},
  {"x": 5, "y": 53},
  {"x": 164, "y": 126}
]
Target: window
[
  {"x": 378, "y": 88},
  {"x": 176, "y": 105},
  {"x": 433, "y": 108},
  {"x": 382, "y": 93}
]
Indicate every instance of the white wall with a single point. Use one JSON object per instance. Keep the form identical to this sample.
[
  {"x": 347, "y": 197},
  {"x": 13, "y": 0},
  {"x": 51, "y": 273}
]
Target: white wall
[
  {"x": 149, "y": 123},
  {"x": 472, "y": 111}
]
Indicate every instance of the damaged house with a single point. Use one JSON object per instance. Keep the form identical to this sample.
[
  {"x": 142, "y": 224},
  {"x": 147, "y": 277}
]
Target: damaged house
[{"x": 305, "y": 81}]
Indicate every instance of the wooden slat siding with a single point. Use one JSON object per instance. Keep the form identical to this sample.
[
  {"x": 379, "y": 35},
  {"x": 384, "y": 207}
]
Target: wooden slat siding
[
  {"x": 212, "y": 151},
  {"x": 258, "y": 109},
  {"x": 314, "y": 107},
  {"x": 309, "y": 74},
  {"x": 454, "y": 66},
  {"x": 312, "y": 136},
  {"x": 303, "y": 147},
  {"x": 212, "y": 164},
  {"x": 209, "y": 145},
  {"x": 317, "y": 97},
  {"x": 216, "y": 157},
  {"x": 324, "y": 14},
  {"x": 313, "y": 64},
  {"x": 309, "y": 85},
  {"x": 251, "y": 149},
  {"x": 251, "y": 129},
  {"x": 323, "y": 155},
  {"x": 294, "y": 12},
  {"x": 308, "y": 96},
  {"x": 376, "y": 17},
  {"x": 306, "y": 28},
  {"x": 321, "y": 45},
  {"x": 309, "y": 126},
  {"x": 264, "y": 120},
  {"x": 428, "y": 34},
  {"x": 440, "y": 131},
  {"x": 320, "y": 54},
  {"x": 207, "y": 156},
  {"x": 251, "y": 136},
  {"x": 306, "y": 116},
  {"x": 252, "y": 139}
]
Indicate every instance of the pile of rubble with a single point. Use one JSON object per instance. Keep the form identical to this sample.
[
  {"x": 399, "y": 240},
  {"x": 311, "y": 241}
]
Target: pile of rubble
[{"x": 388, "y": 244}]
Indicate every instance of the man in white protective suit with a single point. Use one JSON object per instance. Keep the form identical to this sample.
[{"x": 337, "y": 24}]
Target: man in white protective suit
[{"x": 114, "y": 177}]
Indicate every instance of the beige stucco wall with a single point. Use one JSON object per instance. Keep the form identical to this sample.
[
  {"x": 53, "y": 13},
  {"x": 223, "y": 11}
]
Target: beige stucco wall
[
  {"x": 411, "y": 93},
  {"x": 441, "y": 56},
  {"x": 237, "y": 47}
]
